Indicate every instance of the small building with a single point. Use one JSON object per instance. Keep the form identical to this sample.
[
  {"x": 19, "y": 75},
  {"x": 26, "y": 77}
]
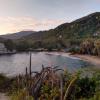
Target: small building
[{"x": 2, "y": 48}]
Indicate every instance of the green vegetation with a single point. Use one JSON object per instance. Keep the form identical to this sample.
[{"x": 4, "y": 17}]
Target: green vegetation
[
  {"x": 9, "y": 45},
  {"x": 21, "y": 95},
  {"x": 4, "y": 83},
  {"x": 90, "y": 46},
  {"x": 69, "y": 36},
  {"x": 83, "y": 85}
]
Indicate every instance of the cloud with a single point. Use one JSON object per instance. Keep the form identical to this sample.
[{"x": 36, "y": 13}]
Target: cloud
[{"x": 15, "y": 24}]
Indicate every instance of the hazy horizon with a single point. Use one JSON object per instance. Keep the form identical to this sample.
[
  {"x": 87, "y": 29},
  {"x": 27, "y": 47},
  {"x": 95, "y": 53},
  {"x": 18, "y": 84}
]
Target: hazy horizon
[{"x": 37, "y": 15}]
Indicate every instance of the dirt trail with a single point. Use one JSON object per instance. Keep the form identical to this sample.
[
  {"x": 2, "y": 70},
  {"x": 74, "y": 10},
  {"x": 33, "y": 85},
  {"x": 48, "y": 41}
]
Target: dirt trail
[{"x": 3, "y": 97}]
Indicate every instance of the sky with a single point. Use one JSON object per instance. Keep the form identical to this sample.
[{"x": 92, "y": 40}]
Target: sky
[{"x": 36, "y": 15}]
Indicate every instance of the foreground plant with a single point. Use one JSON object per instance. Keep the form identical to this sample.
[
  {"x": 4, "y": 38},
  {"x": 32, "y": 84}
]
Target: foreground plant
[
  {"x": 21, "y": 95},
  {"x": 49, "y": 85}
]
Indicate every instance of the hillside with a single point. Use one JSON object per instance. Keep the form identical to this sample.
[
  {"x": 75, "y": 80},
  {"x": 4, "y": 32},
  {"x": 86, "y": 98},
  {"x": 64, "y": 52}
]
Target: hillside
[
  {"x": 2, "y": 39},
  {"x": 17, "y": 35},
  {"x": 83, "y": 27},
  {"x": 88, "y": 26}
]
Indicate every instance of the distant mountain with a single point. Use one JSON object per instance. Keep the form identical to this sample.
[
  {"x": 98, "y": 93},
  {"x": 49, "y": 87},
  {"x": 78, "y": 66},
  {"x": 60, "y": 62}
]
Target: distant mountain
[
  {"x": 17, "y": 35},
  {"x": 2, "y": 39},
  {"x": 88, "y": 26}
]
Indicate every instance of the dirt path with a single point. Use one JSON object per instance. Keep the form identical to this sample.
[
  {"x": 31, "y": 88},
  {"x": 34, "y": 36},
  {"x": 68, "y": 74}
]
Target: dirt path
[{"x": 3, "y": 97}]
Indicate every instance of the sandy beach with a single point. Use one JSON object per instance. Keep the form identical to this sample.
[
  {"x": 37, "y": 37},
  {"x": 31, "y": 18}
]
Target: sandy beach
[{"x": 94, "y": 60}]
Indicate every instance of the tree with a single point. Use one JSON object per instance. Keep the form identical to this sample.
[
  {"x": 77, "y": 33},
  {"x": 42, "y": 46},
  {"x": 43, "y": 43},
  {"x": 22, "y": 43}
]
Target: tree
[
  {"x": 9, "y": 44},
  {"x": 22, "y": 46},
  {"x": 97, "y": 47},
  {"x": 87, "y": 46}
]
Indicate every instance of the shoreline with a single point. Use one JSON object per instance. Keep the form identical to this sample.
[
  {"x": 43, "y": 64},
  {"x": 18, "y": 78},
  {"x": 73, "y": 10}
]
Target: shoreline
[
  {"x": 89, "y": 58},
  {"x": 94, "y": 60}
]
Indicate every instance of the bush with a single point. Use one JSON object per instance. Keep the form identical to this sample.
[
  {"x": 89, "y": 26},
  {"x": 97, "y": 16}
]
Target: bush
[
  {"x": 85, "y": 87},
  {"x": 21, "y": 95}
]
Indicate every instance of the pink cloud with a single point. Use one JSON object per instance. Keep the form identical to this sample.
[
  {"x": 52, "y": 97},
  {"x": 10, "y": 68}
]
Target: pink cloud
[{"x": 15, "y": 24}]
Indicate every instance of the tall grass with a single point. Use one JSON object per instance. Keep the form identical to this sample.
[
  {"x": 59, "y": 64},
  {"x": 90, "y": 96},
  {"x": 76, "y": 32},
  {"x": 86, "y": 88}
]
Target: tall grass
[
  {"x": 77, "y": 86},
  {"x": 21, "y": 95}
]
